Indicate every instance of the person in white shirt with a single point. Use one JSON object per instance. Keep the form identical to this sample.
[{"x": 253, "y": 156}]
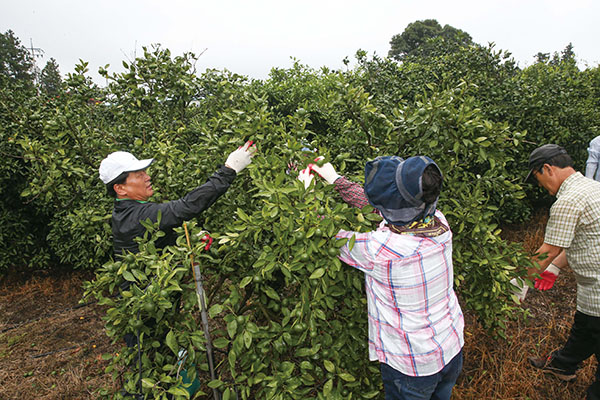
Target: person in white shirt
[{"x": 592, "y": 169}]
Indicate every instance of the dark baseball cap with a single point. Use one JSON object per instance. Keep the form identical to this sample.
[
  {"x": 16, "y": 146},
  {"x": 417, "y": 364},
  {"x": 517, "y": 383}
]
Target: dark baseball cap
[{"x": 541, "y": 155}]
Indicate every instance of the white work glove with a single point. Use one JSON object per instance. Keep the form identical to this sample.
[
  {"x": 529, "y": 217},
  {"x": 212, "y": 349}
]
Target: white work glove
[
  {"x": 242, "y": 157},
  {"x": 518, "y": 291},
  {"x": 306, "y": 177},
  {"x": 326, "y": 172},
  {"x": 547, "y": 278}
]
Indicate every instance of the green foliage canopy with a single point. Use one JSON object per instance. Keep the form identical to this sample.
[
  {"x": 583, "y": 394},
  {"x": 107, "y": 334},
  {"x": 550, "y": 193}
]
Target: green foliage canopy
[
  {"x": 289, "y": 317},
  {"x": 427, "y": 38}
]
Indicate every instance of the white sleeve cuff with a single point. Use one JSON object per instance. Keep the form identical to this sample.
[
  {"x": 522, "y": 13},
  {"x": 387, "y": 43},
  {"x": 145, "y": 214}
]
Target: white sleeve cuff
[{"x": 553, "y": 269}]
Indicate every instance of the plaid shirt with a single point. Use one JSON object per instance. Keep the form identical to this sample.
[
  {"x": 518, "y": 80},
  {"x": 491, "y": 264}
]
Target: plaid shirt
[
  {"x": 415, "y": 321},
  {"x": 574, "y": 224},
  {"x": 352, "y": 193}
]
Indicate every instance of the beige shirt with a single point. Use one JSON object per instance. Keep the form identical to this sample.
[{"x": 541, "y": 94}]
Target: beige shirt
[{"x": 574, "y": 225}]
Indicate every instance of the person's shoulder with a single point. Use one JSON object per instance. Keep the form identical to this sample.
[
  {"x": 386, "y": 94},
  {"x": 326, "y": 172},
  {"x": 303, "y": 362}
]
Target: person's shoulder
[
  {"x": 129, "y": 206},
  {"x": 590, "y": 189},
  {"x": 586, "y": 186},
  {"x": 440, "y": 215},
  {"x": 595, "y": 142},
  {"x": 580, "y": 190}
]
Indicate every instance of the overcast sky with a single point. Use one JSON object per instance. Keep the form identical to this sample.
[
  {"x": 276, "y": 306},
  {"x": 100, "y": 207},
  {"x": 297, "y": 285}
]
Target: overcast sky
[{"x": 251, "y": 37}]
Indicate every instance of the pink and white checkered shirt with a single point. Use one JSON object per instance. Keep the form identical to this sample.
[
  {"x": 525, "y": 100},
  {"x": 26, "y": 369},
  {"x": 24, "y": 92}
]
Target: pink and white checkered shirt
[{"x": 415, "y": 322}]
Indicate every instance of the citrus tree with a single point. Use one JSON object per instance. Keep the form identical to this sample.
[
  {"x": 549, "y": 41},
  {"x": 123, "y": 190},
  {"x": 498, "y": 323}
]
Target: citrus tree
[{"x": 285, "y": 304}]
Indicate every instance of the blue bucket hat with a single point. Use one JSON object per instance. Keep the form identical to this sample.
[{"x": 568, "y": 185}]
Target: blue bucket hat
[{"x": 394, "y": 186}]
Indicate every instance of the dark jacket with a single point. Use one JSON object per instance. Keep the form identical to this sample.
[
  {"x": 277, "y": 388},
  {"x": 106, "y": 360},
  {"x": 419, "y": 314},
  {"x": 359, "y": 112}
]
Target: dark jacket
[{"x": 127, "y": 214}]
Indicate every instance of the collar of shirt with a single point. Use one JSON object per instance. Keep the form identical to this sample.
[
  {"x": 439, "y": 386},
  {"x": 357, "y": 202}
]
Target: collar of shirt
[{"x": 139, "y": 201}]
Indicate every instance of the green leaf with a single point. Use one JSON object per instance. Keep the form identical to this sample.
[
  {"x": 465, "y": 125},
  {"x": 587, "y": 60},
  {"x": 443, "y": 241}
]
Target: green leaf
[
  {"x": 215, "y": 310},
  {"x": 148, "y": 383},
  {"x": 320, "y": 314},
  {"x": 351, "y": 244},
  {"x": 347, "y": 377},
  {"x": 242, "y": 215},
  {"x": 179, "y": 391},
  {"x": 247, "y": 339},
  {"x": 172, "y": 342},
  {"x": 329, "y": 365},
  {"x": 140, "y": 276},
  {"x": 272, "y": 294},
  {"x": 215, "y": 384},
  {"x": 128, "y": 276},
  {"x": 327, "y": 387},
  {"x": 220, "y": 343},
  {"x": 303, "y": 352},
  {"x": 373, "y": 217},
  {"x": 371, "y": 395},
  {"x": 232, "y": 328},
  {"x": 319, "y": 272},
  {"x": 232, "y": 357},
  {"x": 245, "y": 281},
  {"x": 306, "y": 365}
]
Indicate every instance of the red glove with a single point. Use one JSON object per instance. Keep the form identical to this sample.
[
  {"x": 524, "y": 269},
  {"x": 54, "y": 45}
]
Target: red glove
[
  {"x": 547, "y": 278},
  {"x": 208, "y": 240}
]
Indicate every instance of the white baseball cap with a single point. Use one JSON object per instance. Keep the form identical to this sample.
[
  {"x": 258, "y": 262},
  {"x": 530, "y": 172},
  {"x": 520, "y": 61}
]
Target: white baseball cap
[{"x": 118, "y": 162}]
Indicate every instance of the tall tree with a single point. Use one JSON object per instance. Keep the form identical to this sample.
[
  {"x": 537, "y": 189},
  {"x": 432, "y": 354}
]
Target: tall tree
[
  {"x": 427, "y": 38},
  {"x": 568, "y": 53},
  {"x": 542, "y": 57},
  {"x": 50, "y": 81},
  {"x": 22, "y": 226},
  {"x": 567, "y": 56},
  {"x": 15, "y": 60}
]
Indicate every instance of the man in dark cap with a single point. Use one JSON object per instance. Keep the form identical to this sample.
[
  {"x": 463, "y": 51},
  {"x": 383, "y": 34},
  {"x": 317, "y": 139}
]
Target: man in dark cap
[
  {"x": 572, "y": 238},
  {"x": 415, "y": 321}
]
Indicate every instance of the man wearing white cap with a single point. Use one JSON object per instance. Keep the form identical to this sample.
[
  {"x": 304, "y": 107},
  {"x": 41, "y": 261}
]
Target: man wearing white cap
[{"x": 126, "y": 179}]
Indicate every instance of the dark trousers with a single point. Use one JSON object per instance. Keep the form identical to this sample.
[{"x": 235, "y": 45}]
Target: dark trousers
[
  {"x": 583, "y": 342},
  {"x": 398, "y": 386}
]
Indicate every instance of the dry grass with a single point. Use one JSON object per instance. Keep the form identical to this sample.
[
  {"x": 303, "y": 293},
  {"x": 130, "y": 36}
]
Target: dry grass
[
  {"x": 498, "y": 369},
  {"x": 48, "y": 349},
  {"x": 75, "y": 339}
]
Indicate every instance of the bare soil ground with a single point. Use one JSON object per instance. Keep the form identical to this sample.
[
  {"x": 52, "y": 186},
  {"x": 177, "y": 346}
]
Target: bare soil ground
[{"x": 51, "y": 349}]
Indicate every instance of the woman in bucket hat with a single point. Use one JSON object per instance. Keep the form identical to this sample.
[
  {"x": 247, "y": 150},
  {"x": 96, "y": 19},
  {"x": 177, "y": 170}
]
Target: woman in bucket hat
[{"x": 415, "y": 321}]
